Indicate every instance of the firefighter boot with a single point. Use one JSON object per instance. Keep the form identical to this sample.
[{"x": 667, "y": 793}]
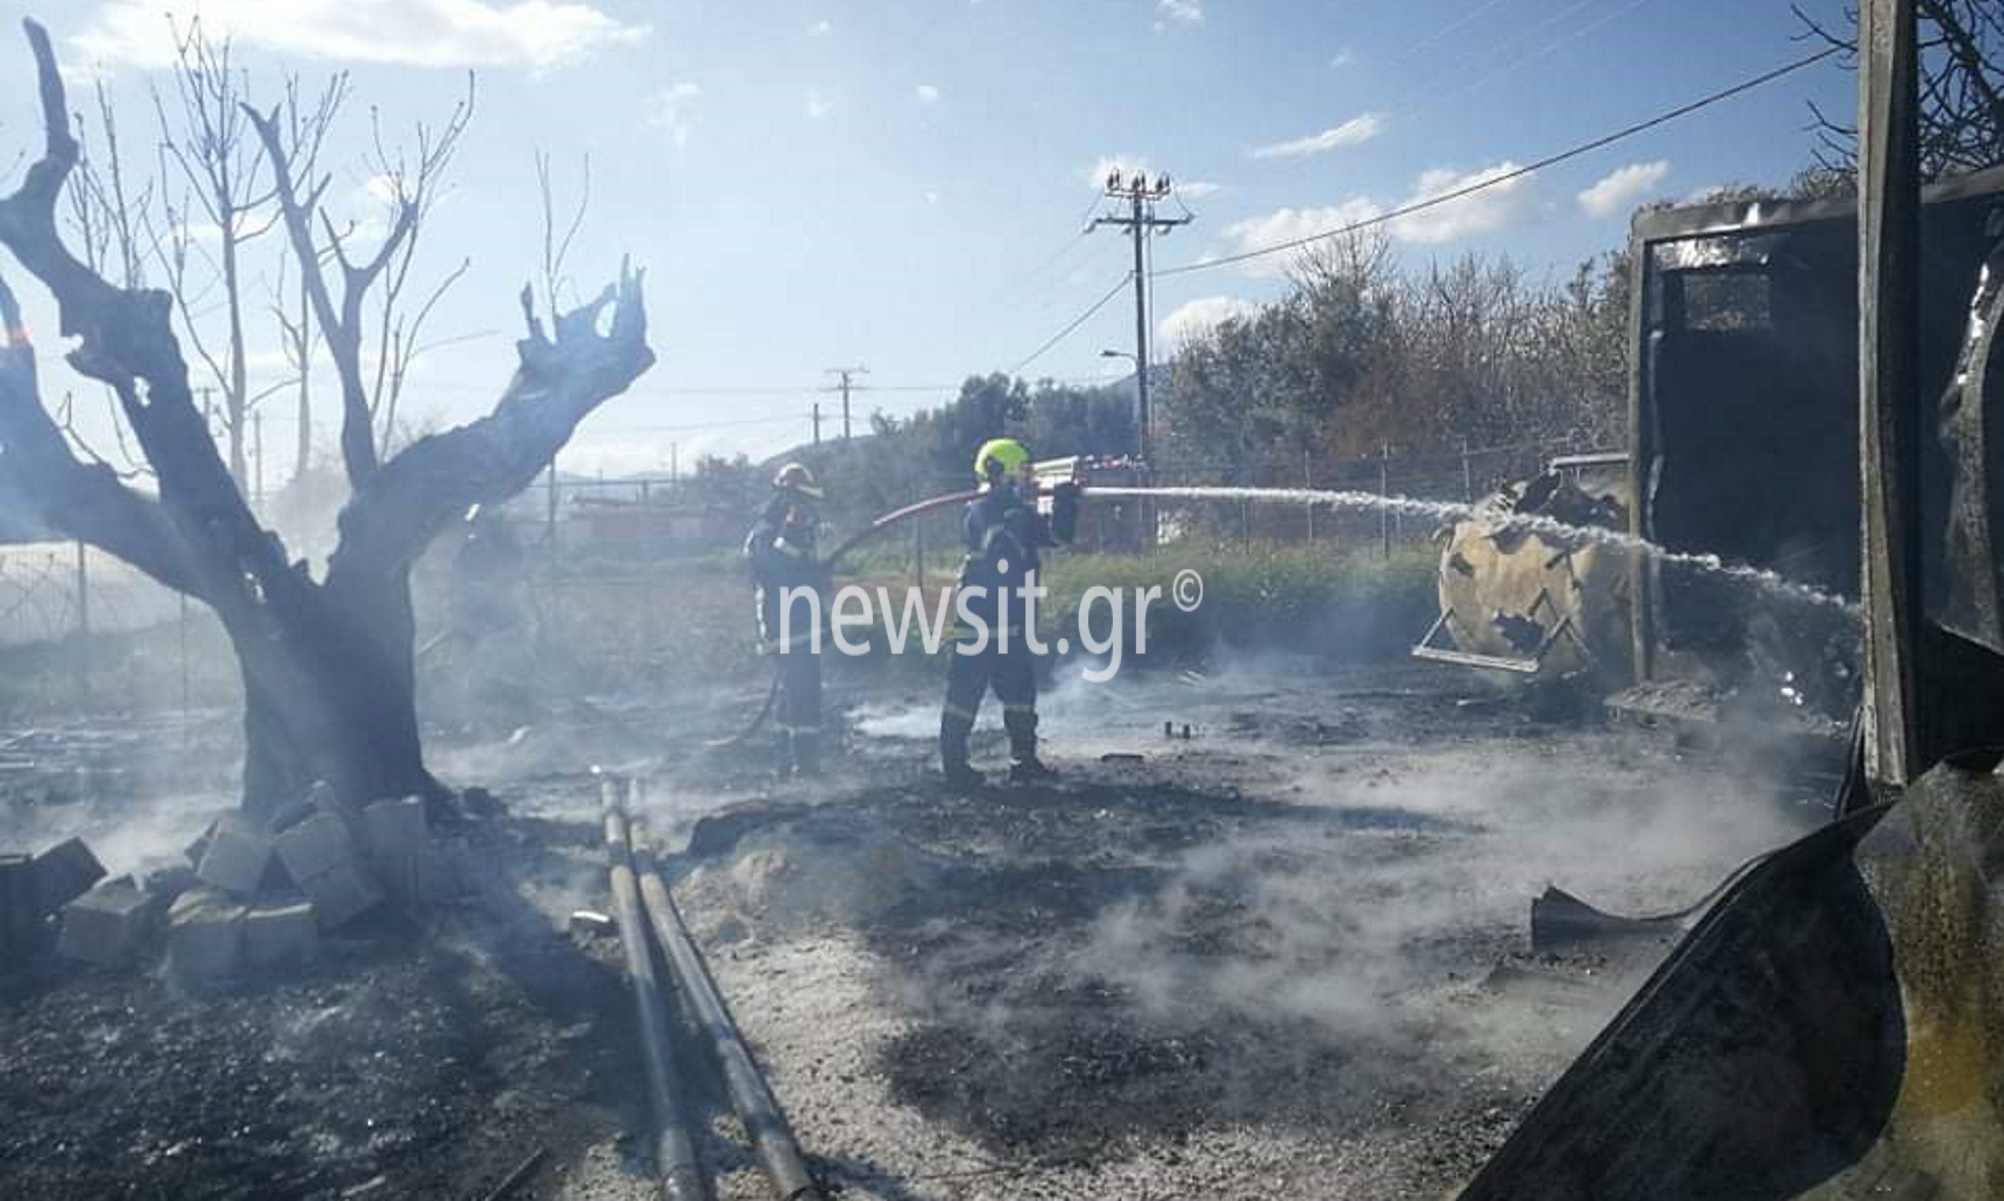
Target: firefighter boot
[
  {"x": 805, "y": 753},
  {"x": 953, "y": 734},
  {"x": 1024, "y": 766}
]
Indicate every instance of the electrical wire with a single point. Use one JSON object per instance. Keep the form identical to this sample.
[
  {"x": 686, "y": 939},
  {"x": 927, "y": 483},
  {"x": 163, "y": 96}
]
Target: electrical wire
[
  {"x": 1549, "y": 160},
  {"x": 1077, "y": 321},
  {"x": 1458, "y": 23},
  {"x": 1439, "y": 96}
]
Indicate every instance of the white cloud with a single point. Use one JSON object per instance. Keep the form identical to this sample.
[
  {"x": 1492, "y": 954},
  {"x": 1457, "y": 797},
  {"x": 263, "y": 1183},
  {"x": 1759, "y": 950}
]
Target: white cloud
[
  {"x": 536, "y": 34},
  {"x": 1355, "y": 131},
  {"x": 1197, "y": 189},
  {"x": 931, "y": 197},
  {"x": 1194, "y": 318},
  {"x": 1622, "y": 188},
  {"x": 1494, "y": 207},
  {"x": 818, "y": 106},
  {"x": 1343, "y": 58},
  {"x": 670, "y": 109},
  {"x": 204, "y": 232},
  {"x": 1178, "y": 12},
  {"x": 926, "y": 93},
  {"x": 1290, "y": 224},
  {"x": 820, "y": 29},
  {"x": 380, "y": 189}
]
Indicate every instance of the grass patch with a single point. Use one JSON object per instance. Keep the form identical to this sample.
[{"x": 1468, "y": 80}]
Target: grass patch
[{"x": 1349, "y": 606}]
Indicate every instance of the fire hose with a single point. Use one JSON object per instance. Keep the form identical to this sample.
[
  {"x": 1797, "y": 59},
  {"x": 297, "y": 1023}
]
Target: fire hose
[
  {"x": 772, "y": 1140},
  {"x": 885, "y": 522},
  {"x": 674, "y": 1148}
]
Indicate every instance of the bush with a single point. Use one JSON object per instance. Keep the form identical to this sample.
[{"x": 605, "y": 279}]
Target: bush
[{"x": 1347, "y": 606}]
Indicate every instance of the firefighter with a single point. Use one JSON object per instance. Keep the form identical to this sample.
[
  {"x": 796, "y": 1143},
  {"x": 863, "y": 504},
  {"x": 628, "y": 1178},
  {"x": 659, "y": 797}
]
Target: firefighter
[
  {"x": 1004, "y": 534},
  {"x": 783, "y": 563}
]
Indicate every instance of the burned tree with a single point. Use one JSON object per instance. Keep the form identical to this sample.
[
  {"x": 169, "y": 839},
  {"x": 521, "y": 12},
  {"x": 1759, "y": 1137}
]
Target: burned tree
[
  {"x": 1961, "y": 102},
  {"x": 327, "y": 664}
]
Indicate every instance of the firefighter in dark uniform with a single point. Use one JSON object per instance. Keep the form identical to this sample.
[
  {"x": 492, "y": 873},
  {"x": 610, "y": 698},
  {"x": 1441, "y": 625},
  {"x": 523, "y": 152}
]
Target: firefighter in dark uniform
[
  {"x": 783, "y": 562},
  {"x": 1004, "y": 535}
]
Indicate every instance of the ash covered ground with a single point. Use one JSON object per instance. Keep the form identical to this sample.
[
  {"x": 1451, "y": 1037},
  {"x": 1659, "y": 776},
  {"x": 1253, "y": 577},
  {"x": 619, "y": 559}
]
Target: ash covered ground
[{"x": 1287, "y": 952}]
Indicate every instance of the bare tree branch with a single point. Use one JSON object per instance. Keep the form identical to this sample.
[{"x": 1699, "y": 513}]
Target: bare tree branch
[
  {"x": 560, "y": 380},
  {"x": 125, "y": 341},
  {"x": 412, "y": 191}
]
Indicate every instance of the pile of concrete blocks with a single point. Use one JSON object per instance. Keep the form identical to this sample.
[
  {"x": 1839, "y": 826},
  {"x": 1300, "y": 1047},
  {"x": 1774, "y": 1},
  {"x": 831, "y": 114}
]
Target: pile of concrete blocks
[
  {"x": 267, "y": 895},
  {"x": 259, "y": 896}
]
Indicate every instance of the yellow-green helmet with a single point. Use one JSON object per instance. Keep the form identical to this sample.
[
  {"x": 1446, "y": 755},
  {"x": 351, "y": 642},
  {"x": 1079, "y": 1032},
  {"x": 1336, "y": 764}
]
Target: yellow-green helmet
[{"x": 1000, "y": 458}]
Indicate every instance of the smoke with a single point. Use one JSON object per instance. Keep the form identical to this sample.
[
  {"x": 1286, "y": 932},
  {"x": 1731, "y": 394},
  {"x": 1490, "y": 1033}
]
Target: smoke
[
  {"x": 127, "y": 834},
  {"x": 1366, "y": 923}
]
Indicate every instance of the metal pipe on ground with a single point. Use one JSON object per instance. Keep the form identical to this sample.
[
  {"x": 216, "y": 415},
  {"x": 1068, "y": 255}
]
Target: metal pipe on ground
[
  {"x": 765, "y": 1122},
  {"x": 674, "y": 1149}
]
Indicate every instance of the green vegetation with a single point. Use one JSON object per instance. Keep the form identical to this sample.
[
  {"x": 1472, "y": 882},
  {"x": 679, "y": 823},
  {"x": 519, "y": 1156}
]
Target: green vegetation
[{"x": 1344, "y": 605}]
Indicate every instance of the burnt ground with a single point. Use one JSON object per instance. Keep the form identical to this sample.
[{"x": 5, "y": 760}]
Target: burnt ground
[
  {"x": 1285, "y": 953},
  {"x": 410, "y": 1062}
]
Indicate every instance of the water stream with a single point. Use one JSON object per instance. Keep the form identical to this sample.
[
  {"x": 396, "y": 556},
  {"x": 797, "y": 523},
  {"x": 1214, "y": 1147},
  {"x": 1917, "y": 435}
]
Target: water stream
[{"x": 1770, "y": 582}]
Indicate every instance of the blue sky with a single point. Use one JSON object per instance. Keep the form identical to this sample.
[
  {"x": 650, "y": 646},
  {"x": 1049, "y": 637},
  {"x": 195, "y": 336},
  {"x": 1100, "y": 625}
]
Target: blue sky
[{"x": 901, "y": 183}]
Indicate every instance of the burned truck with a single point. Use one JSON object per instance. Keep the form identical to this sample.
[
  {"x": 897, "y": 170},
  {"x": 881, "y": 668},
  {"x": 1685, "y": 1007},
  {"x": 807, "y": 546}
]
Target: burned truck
[{"x": 1743, "y": 445}]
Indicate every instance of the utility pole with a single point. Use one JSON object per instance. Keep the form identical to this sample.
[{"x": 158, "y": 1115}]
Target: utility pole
[
  {"x": 257, "y": 449},
  {"x": 1892, "y": 430},
  {"x": 83, "y": 625},
  {"x": 1140, "y": 221},
  {"x": 845, "y": 373},
  {"x": 817, "y": 423}
]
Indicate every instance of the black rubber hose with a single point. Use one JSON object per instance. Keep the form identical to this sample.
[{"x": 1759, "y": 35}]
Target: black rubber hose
[
  {"x": 772, "y": 1139},
  {"x": 674, "y": 1149}
]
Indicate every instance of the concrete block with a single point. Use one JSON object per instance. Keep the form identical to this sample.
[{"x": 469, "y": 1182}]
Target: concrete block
[
  {"x": 205, "y": 938},
  {"x": 109, "y": 924},
  {"x": 166, "y": 884},
  {"x": 323, "y": 799},
  {"x": 314, "y": 847},
  {"x": 341, "y": 894},
  {"x": 21, "y": 928},
  {"x": 63, "y": 873},
  {"x": 281, "y": 933},
  {"x": 237, "y": 857},
  {"x": 396, "y": 840},
  {"x": 398, "y": 827}
]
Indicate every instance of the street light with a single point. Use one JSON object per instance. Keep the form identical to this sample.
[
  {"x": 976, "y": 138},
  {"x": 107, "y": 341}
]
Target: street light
[{"x": 1121, "y": 354}]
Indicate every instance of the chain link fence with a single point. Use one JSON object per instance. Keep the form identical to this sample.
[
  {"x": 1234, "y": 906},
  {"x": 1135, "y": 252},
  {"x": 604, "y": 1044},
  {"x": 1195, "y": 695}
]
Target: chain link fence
[{"x": 632, "y": 582}]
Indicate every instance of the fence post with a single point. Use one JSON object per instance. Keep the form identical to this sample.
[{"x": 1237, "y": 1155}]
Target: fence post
[
  {"x": 550, "y": 521},
  {"x": 1467, "y": 475},
  {"x": 83, "y": 626},
  {"x": 1308, "y": 482},
  {"x": 1384, "y": 492},
  {"x": 185, "y": 735}
]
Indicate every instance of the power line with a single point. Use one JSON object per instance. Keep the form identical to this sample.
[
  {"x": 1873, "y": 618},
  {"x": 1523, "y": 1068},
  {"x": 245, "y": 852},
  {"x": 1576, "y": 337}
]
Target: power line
[
  {"x": 1518, "y": 173},
  {"x": 1077, "y": 321},
  {"x": 789, "y": 419},
  {"x": 1438, "y": 96},
  {"x": 1458, "y": 23}
]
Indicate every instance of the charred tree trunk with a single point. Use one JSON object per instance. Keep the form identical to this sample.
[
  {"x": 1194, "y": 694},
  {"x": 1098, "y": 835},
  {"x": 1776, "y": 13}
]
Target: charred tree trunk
[{"x": 348, "y": 712}]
